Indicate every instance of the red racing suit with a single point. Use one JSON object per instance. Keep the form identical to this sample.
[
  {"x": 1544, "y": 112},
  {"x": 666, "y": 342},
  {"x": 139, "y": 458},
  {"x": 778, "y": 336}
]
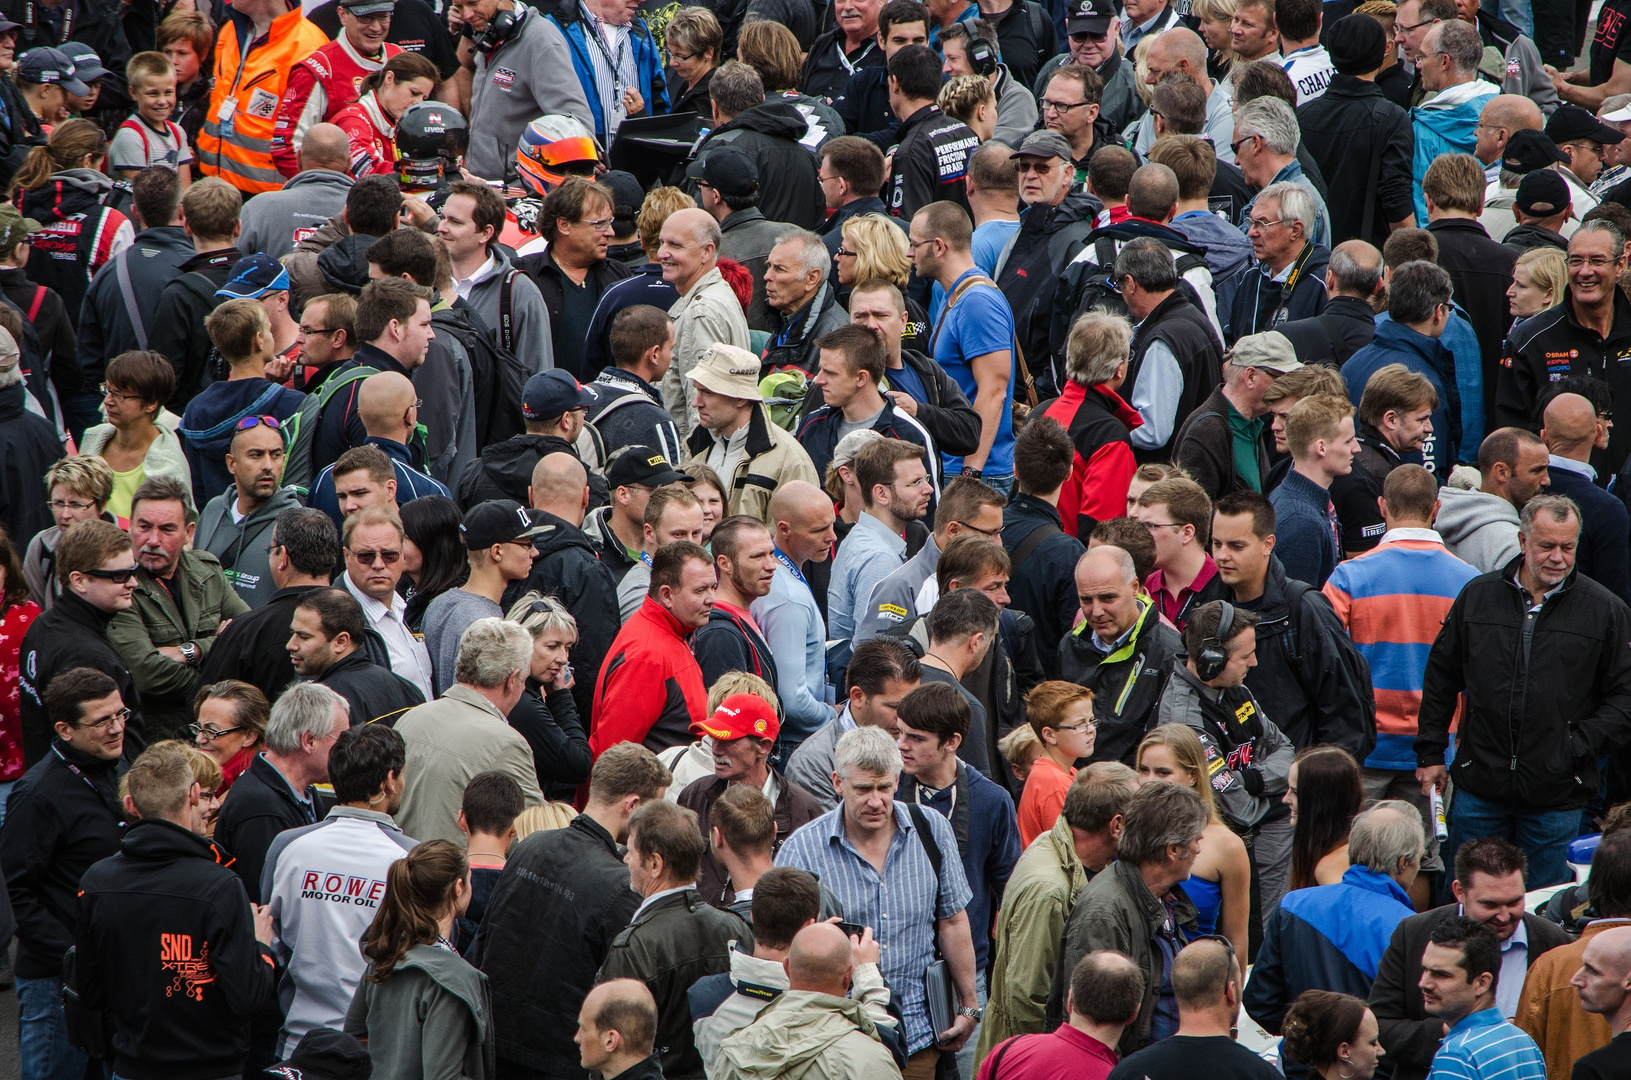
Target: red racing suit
[{"x": 319, "y": 87}]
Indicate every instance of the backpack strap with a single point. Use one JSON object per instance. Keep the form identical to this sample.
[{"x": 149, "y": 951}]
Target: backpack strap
[
  {"x": 228, "y": 424},
  {"x": 1019, "y": 354},
  {"x": 506, "y": 310},
  {"x": 34, "y": 305},
  {"x": 998, "y": 1054},
  {"x": 1038, "y": 536},
  {"x": 330, "y": 387},
  {"x": 121, "y": 271}
]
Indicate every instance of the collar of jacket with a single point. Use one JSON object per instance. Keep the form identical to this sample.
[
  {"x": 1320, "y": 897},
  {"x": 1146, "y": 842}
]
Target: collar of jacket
[
  {"x": 586, "y": 824},
  {"x": 1509, "y": 577},
  {"x": 1107, "y": 70},
  {"x": 923, "y": 115},
  {"x": 1131, "y": 646},
  {"x": 155, "y": 839},
  {"x": 628, "y": 380},
  {"x": 1458, "y": 224},
  {"x": 1175, "y": 300},
  {"x": 467, "y": 696},
  {"x": 1363, "y": 877},
  {"x": 187, "y": 569},
  {"x": 1352, "y": 86},
  {"x": 371, "y": 355},
  {"x": 1373, "y": 439},
  {"x": 269, "y": 777},
  {"x": 1138, "y": 891},
  {"x": 163, "y": 236},
  {"x": 870, "y": 204},
  {"x": 1077, "y": 205},
  {"x": 807, "y": 316},
  {"x": 1399, "y": 336},
  {"x": 1023, "y": 501},
  {"x": 12, "y": 402},
  {"x": 1622, "y": 314},
  {"x": 737, "y": 218},
  {"x": 394, "y": 450},
  {"x": 1063, "y": 842},
  {"x": 79, "y": 610},
  {"x": 96, "y": 767},
  {"x": 356, "y": 658},
  {"x": 218, "y": 257},
  {"x": 758, "y": 440},
  {"x": 1111, "y": 402},
  {"x": 687, "y": 896},
  {"x": 1273, "y": 607},
  {"x": 656, "y": 613}
]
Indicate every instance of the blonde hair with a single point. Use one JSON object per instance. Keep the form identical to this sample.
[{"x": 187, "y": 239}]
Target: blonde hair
[
  {"x": 1020, "y": 747},
  {"x": 1318, "y": 416},
  {"x": 545, "y": 818},
  {"x": 1548, "y": 269},
  {"x": 660, "y": 205},
  {"x": 1189, "y": 754},
  {"x": 89, "y": 477},
  {"x": 962, "y": 97},
  {"x": 740, "y": 682},
  {"x": 880, "y": 249},
  {"x": 1141, "y": 69},
  {"x": 539, "y": 614},
  {"x": 148, "y": 65}
]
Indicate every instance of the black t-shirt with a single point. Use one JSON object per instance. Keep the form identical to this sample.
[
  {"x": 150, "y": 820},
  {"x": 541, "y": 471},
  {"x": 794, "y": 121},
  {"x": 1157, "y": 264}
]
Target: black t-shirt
[
  {"x": 1612, "y": 1062},
  {"x": 1355, "y": 496},
  {"x": 1613, "y": 40},
  {"x": 1183, "y": 1057},
  {"x": 414, "y": 26},
  {"x": 578, "y": 303}
]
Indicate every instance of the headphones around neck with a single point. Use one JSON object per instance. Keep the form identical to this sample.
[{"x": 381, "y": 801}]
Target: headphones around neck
[
  {"x": 982, "y": 56},
  {"x": 1214, "y": 654},
  {"x": 498, "y": 31}
]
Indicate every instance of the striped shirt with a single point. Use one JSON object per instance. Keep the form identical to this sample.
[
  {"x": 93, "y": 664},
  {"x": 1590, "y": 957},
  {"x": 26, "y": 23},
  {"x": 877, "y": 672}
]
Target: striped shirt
[
  {"x": 901, "y": 905},
  {"x": 1483, "y": 1046},
  {"x": 1392, "y": 601}
]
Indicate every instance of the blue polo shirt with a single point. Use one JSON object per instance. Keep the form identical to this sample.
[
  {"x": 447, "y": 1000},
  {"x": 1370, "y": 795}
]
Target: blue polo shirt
[{"x": 980, "y": 322}]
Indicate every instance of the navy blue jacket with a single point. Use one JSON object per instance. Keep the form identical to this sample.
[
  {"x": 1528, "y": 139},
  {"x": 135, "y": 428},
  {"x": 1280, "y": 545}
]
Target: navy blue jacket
[
  {"x": 1307, "y": 545},
  {"x": 863, "y": 105},
  {"x": 410, "y": 482},
  {"x": 1330, "y": 937},
  {"x": 819, "y": 437},
  {"x": 1396, "y": 343},
  {"x": 1604, "y": 554},
  {"x": 1261, "y": 303},
  {"x": 1044, "y": 585},
  {"x": 645, "y": 287}
]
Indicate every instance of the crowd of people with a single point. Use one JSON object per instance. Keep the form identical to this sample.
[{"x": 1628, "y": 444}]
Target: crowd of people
[{"x": 816, "y": 540}]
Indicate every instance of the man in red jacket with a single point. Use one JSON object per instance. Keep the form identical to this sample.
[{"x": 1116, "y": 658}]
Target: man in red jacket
[
  {"x": 650, "y": 688},
  {"x": 1098, "y": 422},
  {"x": 331, "y": 78}
]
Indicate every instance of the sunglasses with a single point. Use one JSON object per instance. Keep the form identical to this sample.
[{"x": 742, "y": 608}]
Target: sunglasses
[
  {"x": 118, "y": 577},
  {"x": 367, "y": 557},
  {"x": 255, "y": 421}
]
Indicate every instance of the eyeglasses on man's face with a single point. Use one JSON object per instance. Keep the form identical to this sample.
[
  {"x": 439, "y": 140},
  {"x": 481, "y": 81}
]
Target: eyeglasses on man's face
[{"x": 121, "y": 718}]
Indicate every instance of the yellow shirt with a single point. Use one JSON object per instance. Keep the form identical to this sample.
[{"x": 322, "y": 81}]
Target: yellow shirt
[{"x": 124, "y": 487}]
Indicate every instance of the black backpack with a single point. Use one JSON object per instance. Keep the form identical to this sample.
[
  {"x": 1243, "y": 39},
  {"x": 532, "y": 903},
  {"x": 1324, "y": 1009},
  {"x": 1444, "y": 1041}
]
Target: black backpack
[
  {"x": 1084, "y": 286},
  {"x": 497, "y": 377}
]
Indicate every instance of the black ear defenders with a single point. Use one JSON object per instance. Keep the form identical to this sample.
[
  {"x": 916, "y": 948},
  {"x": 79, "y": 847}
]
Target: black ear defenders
[
  {"x": 498, "y": 31},
  {"x": 982, "y": 56},
  {"x": 1214, "y": 654}
]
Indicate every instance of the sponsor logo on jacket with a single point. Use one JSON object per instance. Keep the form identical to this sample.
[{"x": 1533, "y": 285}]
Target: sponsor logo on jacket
[
  {"x": 188, "y": 965},
  {"x": 341, "y": 888}
]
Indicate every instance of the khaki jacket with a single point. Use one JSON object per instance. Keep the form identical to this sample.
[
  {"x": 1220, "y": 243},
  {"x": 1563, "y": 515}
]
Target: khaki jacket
[
  {"x": 804, "y": 1035},
  {"x": 707, "y": 314},
  {"x": 1045, "y": 884},
  {"x": 450, "y": 741},
  {"x": 1549, "y": 1009},
  {"x": 770, "y": 457}
]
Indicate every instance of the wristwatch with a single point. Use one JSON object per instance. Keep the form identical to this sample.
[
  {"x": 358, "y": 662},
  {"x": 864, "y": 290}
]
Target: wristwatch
[
  {"x": 969, "y": 470},
  {"x": 189, "y": 653},
  {"x": 976, "y": 1014}
]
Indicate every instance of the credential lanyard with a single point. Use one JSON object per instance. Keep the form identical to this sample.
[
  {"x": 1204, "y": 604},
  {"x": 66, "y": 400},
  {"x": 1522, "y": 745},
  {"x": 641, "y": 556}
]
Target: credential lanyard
[{"x": 791, "y": 569}]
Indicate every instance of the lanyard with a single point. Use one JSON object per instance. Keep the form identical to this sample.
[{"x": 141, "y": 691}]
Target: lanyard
[
  {"x": 850, "y": 66},
  {"x": 791, "y": 569},
  {"x": 77, "y": 771}
]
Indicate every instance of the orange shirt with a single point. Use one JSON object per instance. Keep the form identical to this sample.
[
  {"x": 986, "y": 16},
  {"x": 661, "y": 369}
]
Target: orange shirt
[{"x": 1043, "y": 798}]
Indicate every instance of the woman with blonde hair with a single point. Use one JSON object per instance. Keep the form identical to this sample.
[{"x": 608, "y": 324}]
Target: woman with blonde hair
[
  {"x": 971, "y": 99},
  {"x": 1538, "y": 280},
  {"x": 422, "y": 1011},
  {"x": 547, "y": 714},
  {"x": 545, "y": 818},
  {"x": 80, "y": 488},
  {"x": 710, "y": 492},
  {"x": 1220, "y": 881},
  {"x": 874, "y": 248},
  {"x": 1215, "y": 16}
]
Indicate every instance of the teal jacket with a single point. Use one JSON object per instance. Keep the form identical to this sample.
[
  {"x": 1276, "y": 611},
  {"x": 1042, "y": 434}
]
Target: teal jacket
[{"x": 1445, "y": 123}]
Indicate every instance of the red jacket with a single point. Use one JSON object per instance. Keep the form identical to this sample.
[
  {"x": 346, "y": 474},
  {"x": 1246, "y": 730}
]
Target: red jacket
[
  {"x": 1098, "y": 422},
  {"x": 319, "y": 87},
  {"x": 650, "y": 688},
  {"x": 373, "y": 138}
]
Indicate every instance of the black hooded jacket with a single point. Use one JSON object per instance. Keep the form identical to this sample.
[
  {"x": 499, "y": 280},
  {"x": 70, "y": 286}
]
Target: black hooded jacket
[
  {"x": 567, "y": 566},
  {"x": 1126, "y": 684},
  {"x": 64, "y": 815},
  {"x": 374, "y": 693},
  {"x": 72, "y": 634},
  {"x": 258, "y": 807},
  {"x": 166, "y": 946},
  {"x": 1044, "y": 584},
  {"x": 177, "y": 331},
  {"x": 504, "y": 470},
  {"x": 550, "y": 279},
  {"x": 788, "y": 184},
  {"x": 1048, "y": 238},
  {"x": 28, "y": 446},
  {"x": 1261, "y": 303},
  {"x": 548, "y": 720}
]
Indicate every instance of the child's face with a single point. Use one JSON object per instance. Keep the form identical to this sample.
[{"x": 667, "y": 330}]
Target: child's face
[
  {"x": 181, "y": 54},
  {"x": 156, "y": 98},
  {"x": 82, "y": 105}
]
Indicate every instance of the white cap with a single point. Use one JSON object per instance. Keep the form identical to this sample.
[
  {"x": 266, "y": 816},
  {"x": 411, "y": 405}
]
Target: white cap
[{"x": 1618, "y": 116}]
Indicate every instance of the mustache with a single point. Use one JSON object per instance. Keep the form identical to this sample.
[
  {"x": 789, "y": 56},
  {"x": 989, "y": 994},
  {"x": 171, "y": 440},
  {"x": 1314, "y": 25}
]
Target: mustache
[{"x": 153, "y": 549}]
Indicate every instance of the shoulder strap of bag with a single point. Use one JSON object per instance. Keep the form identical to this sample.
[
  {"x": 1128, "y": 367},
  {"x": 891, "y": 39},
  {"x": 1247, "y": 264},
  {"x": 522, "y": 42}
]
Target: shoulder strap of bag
[
  {"x": 34, "y": 305},
  {"x": 1019, "y": 353},
  {"x": 506, "y": 311},
  {"x": 931, "y": 848},
  {"x": 330, "y": 387},
  {"x": 266, "y": 398},
  {"x": 1039, "y": 536},
  {"x": 998, "y": 1054},
  {"x": 121, "y": 270}
]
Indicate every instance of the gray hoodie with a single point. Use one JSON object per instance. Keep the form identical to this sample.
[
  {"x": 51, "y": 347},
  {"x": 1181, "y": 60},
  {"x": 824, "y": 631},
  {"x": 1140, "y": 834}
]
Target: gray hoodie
[
  {"x": 274, "y": 221},
  {"x": 241, "y": 545},
  {"x": 530, "y": 75},
  {"x": 433, "y": 1017},
  {"x": 1478, "y": 527},
  {"x": 1016, "y": 109},
  {"x": 531, "y": 339}
]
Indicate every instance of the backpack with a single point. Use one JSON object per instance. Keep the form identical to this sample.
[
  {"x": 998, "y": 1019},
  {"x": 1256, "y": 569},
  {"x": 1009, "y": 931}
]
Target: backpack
[
  {"x": 784, "y": 391},
  {"x": 497, "y": 377},
  {"x": 1084, "y": 286},
  {"x": 1356, "y": 673}
]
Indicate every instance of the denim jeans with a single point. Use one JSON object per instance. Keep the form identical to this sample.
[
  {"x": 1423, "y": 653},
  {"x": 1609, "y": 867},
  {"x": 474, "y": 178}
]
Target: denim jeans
[
  {"x": 1543, "y": 835},
  {"x": 1516, "y": 12},
  {"x": 42, "y": 1033},
  {"x": 1003, "y": 485}
]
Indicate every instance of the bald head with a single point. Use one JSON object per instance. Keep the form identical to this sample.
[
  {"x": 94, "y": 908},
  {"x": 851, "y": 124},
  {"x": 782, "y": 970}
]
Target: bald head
[
  {"x": 1513, "y": 112},
  {"x": 1181, "y": 43},
  {"x": 821, "y": 960},
  {"x": 797, "y": 499},
  {"x": 1355, "y": 269},
  {"x": 560, "y": 486},
  {"x": 384, "y": 402},
  {"x": 1106, "y": 564},
  {"x": 325, "y": 146},
  {"x": 1569, "y": 426},
  {"x": 699, "y": 225},
  {"x": 1201, "y": 972},
  {"x": 624, "y": 1006},
  {"x": 1610, "y": 950}
]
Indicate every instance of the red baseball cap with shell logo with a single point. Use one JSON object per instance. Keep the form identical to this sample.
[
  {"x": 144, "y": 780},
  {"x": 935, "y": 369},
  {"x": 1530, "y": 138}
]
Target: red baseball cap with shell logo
[{"x": 738, "y": 717}]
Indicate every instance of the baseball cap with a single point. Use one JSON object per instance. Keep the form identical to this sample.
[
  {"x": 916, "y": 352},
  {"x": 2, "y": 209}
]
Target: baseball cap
[
  {"x": 1618, "y": 116},
  {"x": 1542, "y": 194},
  {"x": 1043, "y": 143},
  {"x": 730, "y": 172},
  {"x": 368, "y": 7},
  {"x": 7, "y": 25},
  {"x": 14, "y": 227},
  {"x": 627, "y": 195},
  {"x": 10, "y": 355},
  {"x": 254, "y": 277},
  {"x": 1528, "y": 150},
  {"x": 738, "y": 717},
  {"x": 48, "y": 66},
  {"x": 643, "y": 465},
  {"x": 1572, "y": 122},
  {"x": 1089, "y": 16},
  {"x": 87, "y": 65},
  {"x": 325, "y": 1054},
  {"x": 554, "y": 393},
  {"x": 499, "y": 521},
  {"x": 728, "y": 370},
  {"x": 1270, "y": 351},
  {"x": 850, "y": 445}
]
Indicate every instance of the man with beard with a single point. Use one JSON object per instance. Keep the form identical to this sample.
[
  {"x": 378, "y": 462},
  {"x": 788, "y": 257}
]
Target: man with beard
[{"x": 236, "y": 524}]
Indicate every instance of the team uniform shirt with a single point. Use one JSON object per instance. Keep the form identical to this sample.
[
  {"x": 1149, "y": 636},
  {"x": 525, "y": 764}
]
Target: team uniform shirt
[
  {"x": 931, "y": 161},
  {"x": 138, "y": 144},
  {"x": 322, "y": 84},
  {"x": 325, "y": 883},
  {"x": 1310, "y": 70},
  {"x": 1613, "y": 41},
  {"x": 373, "y": 138}
]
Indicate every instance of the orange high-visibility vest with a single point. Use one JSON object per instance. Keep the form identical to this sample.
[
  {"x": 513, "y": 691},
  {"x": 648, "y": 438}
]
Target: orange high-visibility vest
[{"x": 236, "y": 141}]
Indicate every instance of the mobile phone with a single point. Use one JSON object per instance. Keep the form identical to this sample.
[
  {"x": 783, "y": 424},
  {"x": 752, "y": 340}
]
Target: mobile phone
[{"x": 852, "y": 928}]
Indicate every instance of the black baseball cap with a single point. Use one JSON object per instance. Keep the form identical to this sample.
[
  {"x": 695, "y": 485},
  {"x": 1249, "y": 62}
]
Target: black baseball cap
[
  {"x": 730, "y": 172},
  {"x": 643, "y": 465},
  {"x": 627, "y": 195},
  {"x": 46, "y": 66},
  {"x": 1571, "y": 122},
  {"x": 325, "y": 1054},
  {"x": 1542, "y": 194},
  {"x": 554, "y": 393},
  {"x": 1089, "y": 16},
  {"x": 500, "y": 521},
  {"x": 1528, "y": 150}
]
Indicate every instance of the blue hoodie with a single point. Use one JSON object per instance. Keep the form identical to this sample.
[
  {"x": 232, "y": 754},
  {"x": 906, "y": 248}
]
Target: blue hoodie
[
  {"x": 212, "y": 416},
  {"x": 1227, "y": 249},
  {"x": 1396, "y": 343},
  {"x": 1445, "y": 124}
]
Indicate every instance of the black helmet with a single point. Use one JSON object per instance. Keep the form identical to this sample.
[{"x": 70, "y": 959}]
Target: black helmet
[{"x": 429, "y": 137}]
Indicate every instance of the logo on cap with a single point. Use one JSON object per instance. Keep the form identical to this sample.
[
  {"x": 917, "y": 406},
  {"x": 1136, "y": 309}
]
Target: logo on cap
[
  {"x": 656, "y": 460},
  {"x": 758, "y": 726}
]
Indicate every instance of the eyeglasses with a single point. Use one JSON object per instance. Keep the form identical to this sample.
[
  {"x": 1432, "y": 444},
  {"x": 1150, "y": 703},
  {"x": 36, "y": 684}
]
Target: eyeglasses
[
  {"x": 1401, "y": 28},
  {"x": 827, "y": 179},
  {"x": 843, "y": 253},
  {"x": 679, "y": 57},
  {"x": 1060, "y": 106},
  {"x": 913, "y": 245},
  {"x": 1234, "y": 147},
  {"x": 121, "y": 717},
  {"x": 1041, "y": 168},
  {"x": 1596, "y": 262},
  {"x": 249, "y": 422},
  {"x": 367, "y": 558},
  {"x": 118, "y": 577},
  {"x": 922, "y": 481},
  {"x": 110, "y": 392},
  {"x": 599, "y": 224},
  {"x": 1153, "y": 525},
  {"x": 199, "y": 731},
  {"x": 77, "y": 505},
  {"x": 1263, "y": 223},
  {"x": 987, "y": 533},
  {"x": 418, "y": 403},
  {"x": 1087, "y": 725},
  {"x": 313, "y": 331},
  {"x": 1084, "y": 37}
]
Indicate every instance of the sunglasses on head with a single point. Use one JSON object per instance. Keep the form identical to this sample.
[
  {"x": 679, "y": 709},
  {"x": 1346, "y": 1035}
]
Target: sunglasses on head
[
  {"x": 255, "y": 421},
  {"x": 118, "y": 577}
]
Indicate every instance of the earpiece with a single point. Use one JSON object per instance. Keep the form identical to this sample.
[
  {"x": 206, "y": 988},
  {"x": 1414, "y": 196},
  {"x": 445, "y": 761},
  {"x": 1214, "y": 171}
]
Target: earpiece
[{"x": 1214, "y": 654}]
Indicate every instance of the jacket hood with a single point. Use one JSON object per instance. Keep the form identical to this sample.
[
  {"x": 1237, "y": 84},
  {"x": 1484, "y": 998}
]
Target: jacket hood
[
  {"x": 780, "y": 118},
  {"x": 166, "y": 237},
  {"x": 454, "y": 975},
  {"x": 1454, "y": 109},
  {"x": 800, "y": 1025},
  {"x": 562, "y": 537},
  {"x": 1535, "y": 236},
  {"x": 508, "y": 455},
  {"x": 1399, "y": 337},
  {"x": 319, "y": 178},
  {"x": 157, "y": 840},
  {"x": 72, "y": 191},
  {"x": 1462, "y": 513},
  {"x": 1078, "y": 206},
  {"x": 227, "y": 402},
  {"x": 284, "y": 498},
  {"x": 344, "y": 264},
  {"x": 1134, "y": 228},
  {"x": 1225, "y": 245}
]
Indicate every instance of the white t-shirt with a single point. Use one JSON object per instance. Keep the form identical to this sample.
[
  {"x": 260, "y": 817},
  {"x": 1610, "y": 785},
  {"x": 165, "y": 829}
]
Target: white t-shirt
[{"x": 137, "y": 145}]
